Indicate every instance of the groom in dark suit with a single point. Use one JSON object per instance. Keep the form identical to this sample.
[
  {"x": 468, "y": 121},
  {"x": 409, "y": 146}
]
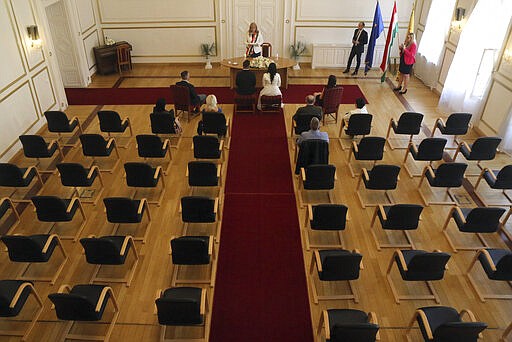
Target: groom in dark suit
[{"x": 358, "y": 41}]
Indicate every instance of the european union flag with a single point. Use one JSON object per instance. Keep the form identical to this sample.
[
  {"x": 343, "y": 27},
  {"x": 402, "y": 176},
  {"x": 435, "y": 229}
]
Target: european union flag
[{"x": 377, "y": 28}]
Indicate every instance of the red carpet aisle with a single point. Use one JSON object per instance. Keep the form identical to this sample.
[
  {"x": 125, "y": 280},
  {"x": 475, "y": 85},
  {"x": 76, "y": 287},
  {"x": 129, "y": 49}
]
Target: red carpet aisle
[
  {"x": 261, "y": 290},
  {"x": 119, "y": 96}
]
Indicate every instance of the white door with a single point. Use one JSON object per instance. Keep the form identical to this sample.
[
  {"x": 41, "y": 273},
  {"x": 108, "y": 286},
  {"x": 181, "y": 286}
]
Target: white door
[
  {"x": 268, "y": 14},
  {"x": 63, "y": 44}
]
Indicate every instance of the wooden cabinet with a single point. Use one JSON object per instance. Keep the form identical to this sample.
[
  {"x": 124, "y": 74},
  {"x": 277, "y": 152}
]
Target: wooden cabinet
[{"x": 106, "y": 58}]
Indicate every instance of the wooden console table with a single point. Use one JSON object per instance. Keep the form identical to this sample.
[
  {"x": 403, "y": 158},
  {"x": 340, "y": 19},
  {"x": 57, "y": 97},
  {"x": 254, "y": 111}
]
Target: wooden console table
[{"x": 106, "y": 58}]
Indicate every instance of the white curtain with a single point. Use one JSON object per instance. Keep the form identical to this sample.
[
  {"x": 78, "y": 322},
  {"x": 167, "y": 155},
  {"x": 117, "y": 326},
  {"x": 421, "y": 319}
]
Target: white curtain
[
  {"x": 485, "y": 29},
  {"x": 431, "y": 45}
]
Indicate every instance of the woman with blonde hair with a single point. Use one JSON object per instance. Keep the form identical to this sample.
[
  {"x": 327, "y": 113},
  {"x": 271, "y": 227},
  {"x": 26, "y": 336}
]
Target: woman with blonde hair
[
  {"x": 211, "y": 104},
  {"x": 407, "y": 58},
  {"x": 253, "y": 41}
]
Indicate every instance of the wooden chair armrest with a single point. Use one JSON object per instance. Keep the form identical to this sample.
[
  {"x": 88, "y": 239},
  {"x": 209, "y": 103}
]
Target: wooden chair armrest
[
  {"x": 426, "y": 324},
  {"x": 318, "y": 261},
  {"x": 493, "y": 176},
  {"x": 125, "y": 120},
  {"x": 180, "y": 208},
  {"x": 157, "y": 172},
  {"x": 74, "y": 118},
  {"x": 49, "y": 241},
  {"x": 441, "y": 121},
  {"x": 91, "y": 171},
  {"x": 459, "y": 212},
  {"x": 72, "y": 203},
  {"x": 335, "y": 175},
  {"x": 64, "y": 287},
  {"x": 415, "y": 149},
  {"x": 210, "y": 245},
  {"x": 372, "y": 317},
  {"x": 469, "y": 313},
  {"x": 354, "y": 146},
  {"x": 382, "y": 212},
  {"x": 327, "y": 328},
  {"x": 365, "y": 174},
  {"x": 127, "y": 239},
  {"x": 25, "y": 175},
  {"x": 53, "y": 142},
  {"x": 202, "y": 308},
  {"x": 219, "y": 169},
  {"x": 18, "y": 293},
  {"x": 361, "y": 266},
  {"x": 110, "y": 142},
  {"x": 487, "y": 256},
  {"x": 465, "y": 144},
  {"x": 430, "y": 170},
  {"x": 216, "y": 205},
  {"x": 221, "y": 145},
  {"x": 401, "y": 259},
  {"x": 166, "y": 144},
  {"x": 310, "y": 211},
  {"x": 143, "y": 202},
  {"x": 103, "y": 294},
  {"x": 303, "y": 174}
]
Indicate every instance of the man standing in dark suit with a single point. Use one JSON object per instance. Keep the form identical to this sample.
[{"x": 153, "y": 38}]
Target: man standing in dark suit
[
  {"x": 245, "y": 80},
  {"x": 309, "y": 109},
  {"x": 358, "y": 41},
  {"x": 196, "y": 99}
]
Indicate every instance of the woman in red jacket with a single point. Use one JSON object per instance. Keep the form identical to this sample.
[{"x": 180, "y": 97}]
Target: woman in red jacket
[{"x": 407, "y": 59}]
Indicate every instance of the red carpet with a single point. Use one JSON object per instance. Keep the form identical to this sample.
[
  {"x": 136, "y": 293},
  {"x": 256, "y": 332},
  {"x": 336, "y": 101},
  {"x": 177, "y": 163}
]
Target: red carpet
[
  {"x": 261, "y": 290},
  {"x": 120, "y": 96}
]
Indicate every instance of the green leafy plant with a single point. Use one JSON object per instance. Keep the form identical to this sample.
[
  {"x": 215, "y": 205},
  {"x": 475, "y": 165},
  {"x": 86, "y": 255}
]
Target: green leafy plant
[
  {"x": 297, "y": 50},
  {"x": 208, "y": 49}
]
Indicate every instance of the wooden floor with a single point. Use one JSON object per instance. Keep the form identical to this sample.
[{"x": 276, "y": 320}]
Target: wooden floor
[{"x": 137, "y": 321}]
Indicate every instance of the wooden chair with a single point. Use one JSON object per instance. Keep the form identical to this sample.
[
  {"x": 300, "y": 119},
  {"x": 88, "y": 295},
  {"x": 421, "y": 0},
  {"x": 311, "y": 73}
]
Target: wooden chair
[
  {"x": 271, "y": 104},
  {"x": 124, "y": 57},
  {"x": 122, "y": 210},
  {"x": 192, "y": 251},
  {"x": 244, "y": 104},
  {"x": 6, "y": 204},
  {"x": 183, "y": 103},
  {"x": 331, "y": 104},
  {"x": 266, "y": 49},
  {"x": 325, "y": 218},
  {"x": 340, "y": 325}
]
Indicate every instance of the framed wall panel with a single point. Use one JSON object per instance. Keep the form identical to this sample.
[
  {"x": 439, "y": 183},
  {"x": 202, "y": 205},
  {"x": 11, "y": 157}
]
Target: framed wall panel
[
  {"x": 85, "y": 15},
  {"x": 90, "y": 41},
  {"x": 497, "y": 106},
  {"x": 44, "y": 90}
]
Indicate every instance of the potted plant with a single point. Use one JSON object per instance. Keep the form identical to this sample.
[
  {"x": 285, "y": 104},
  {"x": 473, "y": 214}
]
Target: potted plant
[
  {"x": 297, "y": 50},
  {"x": 208, "y": 50}
]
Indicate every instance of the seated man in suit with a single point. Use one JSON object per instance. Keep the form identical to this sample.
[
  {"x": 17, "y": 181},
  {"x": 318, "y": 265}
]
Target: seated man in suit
[
  {"x": 309, "y": 109},
  {"x": 313, "y": 133},
  {"x": 196, "y": 99},
  {"x": 245, "y": 80}
]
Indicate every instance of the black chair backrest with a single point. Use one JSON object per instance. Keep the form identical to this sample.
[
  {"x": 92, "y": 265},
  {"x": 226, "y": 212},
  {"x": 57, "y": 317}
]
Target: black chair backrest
[
  {"x": 459, "y": 331},
  {"x": 403, "y": 216},
  {"x": 101, "y": 251},
  {"x": 23, "y": 248},
  {"x": 190, "y": 250},
  {"x": 34, "y": 146},
  {"x": 50, "y": 208},
  {"x": 11, "y": 175},
  {"x": 302, "y": 123},
  {"x": 504, "y": 266},
  {"x": 483, "y": 220},
  {"x": 428, "y": 266},
  {"x": 57, "y": 121},
  {"x": 450, "y": 174},
  {"x": 319, "y": 177},
  {"x": 72, "y": 174},
  {"x": 371, "y": 148},
  {"x": 206, "y": 146},
  {"x": 359, "y": 124},
  {"x": 110, "y": 121},
  {"x": 431, "y": 149},
  {"x": 485, "y": 148},
  {"x": 341, "y": 265},
  {"x": 329, "y": 217},
  {"x": 149, "y": 146},
  {"x": 504, "y": 178},
  {"x": 457, "y": 123},
  {"x": 94, "y": 145},
  {"x": 122, "y": 210},
  {"x": 383, "y": 177},
  {"x": 354, "y": 332},
  {"x": 178, "y": 311},
  {"x": 140, "y": 175},
  {"x": 312, "y": 151},
  {"x": 197, "y": 209},
  {"x": 214, "y": 123},
  {"x": 201, "y": 173},
  {"x": 409, "y": 123},
  {"x": 162, "y": 123},
  {"x": 181, "y": 96},
  {"x": 73, "y": 307}
]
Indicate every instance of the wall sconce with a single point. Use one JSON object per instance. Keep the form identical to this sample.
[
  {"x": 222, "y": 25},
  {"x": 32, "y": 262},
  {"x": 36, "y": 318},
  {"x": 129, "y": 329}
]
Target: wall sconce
[
  {"x": 458, "y": 23},
  {"x": 33, "y": 35},
  {"x": 507, "y": 56}
]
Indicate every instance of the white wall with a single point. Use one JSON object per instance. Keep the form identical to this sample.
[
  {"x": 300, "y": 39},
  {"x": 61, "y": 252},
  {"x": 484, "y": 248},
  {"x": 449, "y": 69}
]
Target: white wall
[{"x": 27, "y": 87}]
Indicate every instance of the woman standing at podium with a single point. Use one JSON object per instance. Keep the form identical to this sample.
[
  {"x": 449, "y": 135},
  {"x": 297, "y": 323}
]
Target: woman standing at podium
[{"x": 253, "y": 41}]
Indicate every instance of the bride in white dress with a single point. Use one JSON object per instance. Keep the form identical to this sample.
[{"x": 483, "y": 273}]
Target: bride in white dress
[{"x": 271, "y": 83}]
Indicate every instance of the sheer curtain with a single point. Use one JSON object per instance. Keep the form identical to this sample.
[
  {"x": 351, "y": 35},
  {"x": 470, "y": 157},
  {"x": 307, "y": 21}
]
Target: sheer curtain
[
  {"x": 484, "y": 30},
  {"x": 431, "y": 45}
]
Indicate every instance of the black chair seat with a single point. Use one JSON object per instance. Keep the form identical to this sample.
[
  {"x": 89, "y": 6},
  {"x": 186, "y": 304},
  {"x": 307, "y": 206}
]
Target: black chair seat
[
  {"x": 370, "y": 148},
  {"x": 197, "y": 209},
  {"x": 180, "y": 306},
  {"x": 8, "y": 289},
  {"x": 479, "y": 220},
  {"x": 350, "y": 325},
  {"x": 311, "y": 152},
  {"x": 214, "y": 123},
  {"x": 502, "y": 259},
  {"x": 74, "y": 174},
  {"x": 150, "y": 146},
  {"x": 329, "y": 217},
  {"x": 408, "y": 123},
  {"x": 94, "y": 145},
  {"x": 319, "y": 177},
  {"x": 111, "y": 122},
  {"x": 447, "y": 175},
  {"x": 202, "y": 173},
  {"x": 359, "y": 124},
  {"x": 400, "y": 216},
  {"x": 53, "y": 209},
  {"x": 12, "y": 176},
  {"x": 123, "y": 210},
  {"x": 483, "y": 148},
  {"x": 382, "y": 177},
  {"x": 141, "y": 175},
  {"x": 422, "y": 265},
  {"x": 339, "y": 264},
  {"x": 28, "y": 248},
  {"x": 80, "y": 303},
  {"x": 456, "y": 124},
  {"x": 302, "y": 123},
  {"x": 162, "y": 123},
  {"x": 190, "y": 250},
  {"x": 503, "y": 178},
  {"x": 206, "y": 147},
  {"x": 429, "y": 149},
  {"x": 58, "y": 122},
  {"x": 104, "y": 250},
  {"x": 34, "y": 146}
]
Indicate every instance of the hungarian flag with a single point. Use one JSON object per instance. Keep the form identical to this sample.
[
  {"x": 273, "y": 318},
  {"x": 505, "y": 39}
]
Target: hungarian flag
[
  {"x": 377, "y": 28},
  {"x": 392, "y": 33}
]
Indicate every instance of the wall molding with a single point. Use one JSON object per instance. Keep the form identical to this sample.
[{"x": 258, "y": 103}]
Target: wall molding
[{"x": 51, "y": 87}]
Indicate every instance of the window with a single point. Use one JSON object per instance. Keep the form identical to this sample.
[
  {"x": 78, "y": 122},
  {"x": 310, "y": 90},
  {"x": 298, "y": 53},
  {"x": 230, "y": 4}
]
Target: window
[{"x": 484, "y": 73}]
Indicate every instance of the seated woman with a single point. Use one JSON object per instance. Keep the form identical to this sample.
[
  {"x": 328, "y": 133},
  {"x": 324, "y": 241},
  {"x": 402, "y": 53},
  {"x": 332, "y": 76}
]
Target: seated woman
[
  {"x": 319, "y": 97},
  {"x": 159, "y": 108},
  {"x": 271, "y": 83},
  {"x": 211, "y": 105}
]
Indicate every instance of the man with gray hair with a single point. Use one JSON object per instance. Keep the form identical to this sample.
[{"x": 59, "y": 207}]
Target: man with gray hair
[
  {"x": 309, "y": 109},
  {"x": 313, "y": 133}
]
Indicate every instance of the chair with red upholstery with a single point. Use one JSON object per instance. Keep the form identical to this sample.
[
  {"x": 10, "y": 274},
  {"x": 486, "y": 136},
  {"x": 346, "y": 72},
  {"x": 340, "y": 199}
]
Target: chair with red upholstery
[{"x": 332, "y": 101}]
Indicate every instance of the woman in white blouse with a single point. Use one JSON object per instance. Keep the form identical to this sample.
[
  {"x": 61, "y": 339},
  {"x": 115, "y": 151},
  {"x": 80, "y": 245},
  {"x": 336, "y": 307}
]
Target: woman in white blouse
[
  {"x": 271, "y": 83},
  {"x": 253, "y": 41}
]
